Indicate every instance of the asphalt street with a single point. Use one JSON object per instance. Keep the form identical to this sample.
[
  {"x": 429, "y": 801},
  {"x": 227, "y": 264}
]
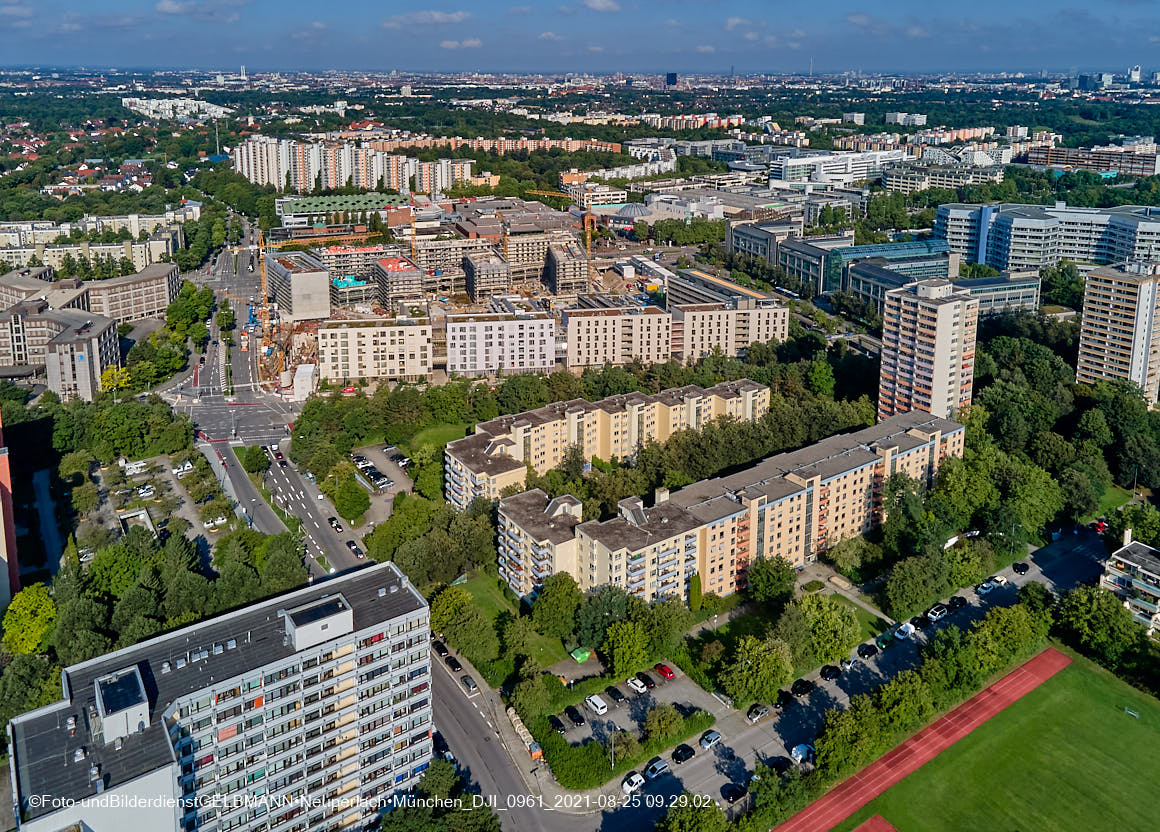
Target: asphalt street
[{"x": 496, "y": 774}]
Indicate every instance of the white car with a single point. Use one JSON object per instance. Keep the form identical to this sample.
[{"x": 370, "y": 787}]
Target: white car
[
  {"x": 632, "y": 783},
  {"x": 636, "y": 685},
  {"x": 904, "y": 631},
  {"x": 997, "y": 580}
]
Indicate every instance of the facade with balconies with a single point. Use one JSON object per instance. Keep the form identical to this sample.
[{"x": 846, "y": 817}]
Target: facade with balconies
[
  {"x": 536, "y": 539},
  {"x": 1132, "y": 572}
]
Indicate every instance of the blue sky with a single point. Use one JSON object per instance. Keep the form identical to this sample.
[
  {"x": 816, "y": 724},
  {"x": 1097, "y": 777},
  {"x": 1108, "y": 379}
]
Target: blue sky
[{"x": 595, "y": 35}]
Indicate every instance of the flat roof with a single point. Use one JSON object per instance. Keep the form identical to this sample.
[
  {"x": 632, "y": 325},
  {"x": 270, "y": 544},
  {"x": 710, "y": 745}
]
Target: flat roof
[
  {"x": 318, "y": 610},
  {"x": 727, "y": 285},
  {"x": 530, "y": 511},
  {"x": 210, "y": 652}
]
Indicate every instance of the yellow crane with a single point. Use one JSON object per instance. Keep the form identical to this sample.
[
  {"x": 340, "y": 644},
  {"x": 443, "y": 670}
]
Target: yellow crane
[{"x": 589, "y": 228}]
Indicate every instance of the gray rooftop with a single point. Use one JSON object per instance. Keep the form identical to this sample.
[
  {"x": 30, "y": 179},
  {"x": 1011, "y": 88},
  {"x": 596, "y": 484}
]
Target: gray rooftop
[
  {"x": 233, "y": 644},
  {"x": 649, "y": 526},
  {"x": 542, "y": 518},
  {"x": 825, "y": 459},
  {"x": 1141, "y": 555}
]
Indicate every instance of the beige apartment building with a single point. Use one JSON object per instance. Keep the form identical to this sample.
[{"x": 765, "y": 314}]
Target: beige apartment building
[
  {"x": 1119, "y": 336},
  {"x": 376, "y": 348},
  {"x": 928, "y": 349},
  {"x": 498, "y": 454},
  {"x": 597, "y": 337},
  {"x": 701, "y": 328},
  {"x": 146, "y": 294},
  {"x": 566, "y": 270},
  {"x": 793, "y": 506}
]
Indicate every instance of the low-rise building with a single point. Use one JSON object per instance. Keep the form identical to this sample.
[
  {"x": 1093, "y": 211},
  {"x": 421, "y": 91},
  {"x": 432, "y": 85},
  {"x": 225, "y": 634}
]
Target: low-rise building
[
  {"x": 397, "y": 349},
  {"x": 498, "y": 454},
  {"x": 146, "y": 294},
  {"x": 499, "y": 343},
  {"x": 300, "y": 285},
  {"x": 1132, "y": 572}
]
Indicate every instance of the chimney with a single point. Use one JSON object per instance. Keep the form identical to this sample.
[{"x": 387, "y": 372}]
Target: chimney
[
  {"x": 661, "y": 496},
  {"x": 1127, "y": 536}
]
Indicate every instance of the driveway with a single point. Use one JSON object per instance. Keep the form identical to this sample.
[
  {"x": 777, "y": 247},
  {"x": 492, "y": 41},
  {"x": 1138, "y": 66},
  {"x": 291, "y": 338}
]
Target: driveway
[{"x": 46, "y": 510}]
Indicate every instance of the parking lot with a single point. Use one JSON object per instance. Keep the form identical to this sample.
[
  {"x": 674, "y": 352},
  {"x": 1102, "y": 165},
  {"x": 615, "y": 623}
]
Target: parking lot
[{"x": 383, "y": 462}]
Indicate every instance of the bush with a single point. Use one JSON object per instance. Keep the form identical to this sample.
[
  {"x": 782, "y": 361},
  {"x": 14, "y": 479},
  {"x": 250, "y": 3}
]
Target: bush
[{"x": 813, "y": 586}]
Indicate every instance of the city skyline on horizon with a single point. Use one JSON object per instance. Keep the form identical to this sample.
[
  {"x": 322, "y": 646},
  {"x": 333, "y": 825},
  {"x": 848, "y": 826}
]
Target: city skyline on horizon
[{"x": 597, "y": 36}]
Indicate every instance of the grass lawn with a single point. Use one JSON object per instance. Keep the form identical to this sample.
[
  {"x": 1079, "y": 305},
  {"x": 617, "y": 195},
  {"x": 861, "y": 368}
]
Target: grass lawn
[
  {"x": 1065, "y": 757},
  {"x": 1110, "y": 501},
  {"x": 870, "y": 624},
  {"x": 491, "y": 602},
  {"x": 437, "y": 435}
]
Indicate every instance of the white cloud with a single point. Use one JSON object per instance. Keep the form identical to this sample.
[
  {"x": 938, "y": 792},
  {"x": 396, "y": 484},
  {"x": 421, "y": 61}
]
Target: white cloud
[
  {"x": 173, "y": 7},
  {"x": 430, "y": 17},
  {"x": 602, "y": 5},
  {"x": 550, "y": 36},
  {"x": 917, "y": 32},
  {"x": 752, "y": 36},
  {"x": 467, "y": 43},
  {"x": 318, "y": 25},
  {"x": 858, "y": 19},
  {"x": 706, "y": 49},
  {"x": 735, "y": 22},
  {"x": 15, "y": 10},
  {"x": 595, "y": 48}
]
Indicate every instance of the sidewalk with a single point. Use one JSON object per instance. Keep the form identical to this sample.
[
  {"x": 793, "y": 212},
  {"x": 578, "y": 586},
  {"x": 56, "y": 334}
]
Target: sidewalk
[{"x": 835, "y": 584}]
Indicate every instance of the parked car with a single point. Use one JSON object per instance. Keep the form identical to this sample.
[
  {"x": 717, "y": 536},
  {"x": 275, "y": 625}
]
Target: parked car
[
  {"x": 615, "y": 695},
  {"x": 802, "y": 687},
  {"x": 920, "y": 622},
  {"x": 334, "y": 524},
  {"x": 1020, "y": 568},
  {"x": 595, "y": 704},
  {"x": 803, "y": 753},
  {"x": 757, "y": 713},
  {"x": 469, "y": 684},
  {"x": 631, "y": 783},
  {"x": 646, "y": 680},
  {"x": 849, "y": 664},
  {"x": 784, "y": 700},
  {"x": 454, "y": 664},
  {"x": 574, "y": 715},
  {"x": 683, "y": 753},
  {"x": 710, "y": 739},
  {"x": 732, "y": 792},
  {"x": 985, "y": 588},
  {"x": 355, "y": 550},
  {"x": 655, "y": 768},
  {"x": 556, "y": 724},
  {"x": 936, "y": 613},
  {"x": 665, "y": 671},
  {"x": 997, "y": 580},
  {"x": 884, "y": 640},
  {"x": 957, "y": 602},
  {"x": 904, "y": 631},
  {"x": 830, "y": 672},
  {"x": 442, "y": 750},
  {"x": 867, "y": 651},
  {"x": 636, "y": 685},
  {"x": 440, "y": 649}
]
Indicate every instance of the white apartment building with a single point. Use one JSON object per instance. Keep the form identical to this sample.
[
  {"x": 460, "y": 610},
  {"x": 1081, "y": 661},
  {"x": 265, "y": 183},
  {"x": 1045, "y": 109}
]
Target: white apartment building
[
  {"x": 305, "y": 712},
  {"x": 266, "y": 160},
  {"x": 300, "y": 285},
  {"x": 377, "y": 348},
  {"x": 355, "y": 261},
  {"x": 1119, "y": 335},
  {"x": 435, "y": 177},
  {"x": 906, "y": 119},
  {"x": 500, "y": 343},
  {"x": 590, "y": 194},
  {"x": 1014, "y": 237},
  {"x": 928, "y": 349},
  {"x": 700, "y": 329},
  {"x": 834, "y": 168},
  {"x": 597, "y": 337}
]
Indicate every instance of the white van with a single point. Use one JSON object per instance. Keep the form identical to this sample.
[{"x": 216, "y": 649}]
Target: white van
[{"x": 596, "y": 705}]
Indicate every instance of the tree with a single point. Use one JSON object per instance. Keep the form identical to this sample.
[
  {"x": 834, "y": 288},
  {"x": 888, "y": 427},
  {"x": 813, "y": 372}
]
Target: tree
[
  {"x": 530, "y": 696},
  {"x": 833, "y": 626},
  {"x": 1097, "y": 622},
  {"x": 282, "y": 568},
  {"x": 474, "y": 634},
  {"x": 351, "y": 500},
  {"x": 690, "y": 813},
  {"x": 757, "y": 668},
  {"x": 820, "y": 379},
  {"x": 662, "y": 720},
  {"x": 446, "y": 605},
  {"x": 114, "y": 379},
  {"x": 29, "y": 620},
  {"x": 695, "y": 592},
  {"x": 600, "y": 609},
  {"x": 771, "y": 580},
  {"x": 255, "y": 459},
  {"x": 625, "y": 647},
  {"x": 554, "y": 611},
  {"x": 440, "y": 780}
]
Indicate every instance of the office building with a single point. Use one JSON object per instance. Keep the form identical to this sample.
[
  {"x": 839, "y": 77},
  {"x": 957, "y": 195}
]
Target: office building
[
  {"x": 617, "y": 336},
  {"x": 760, "y": 239},
  {"x": 907, "y": 179},
  {"x": 72, "y": 347},
  {"x": 1129, "y": 160},
  {"x": 929, "y": 257},
  {"x": 499, "y": 343},
  {"x": 670, "y": 79},
  {"x": 1119, "y": 335},
  {"x": 306, "y": 711},
  {"x": 870, "y": 280},
  {"x": 146, "y": 294},
  {"x": 928, "y": 349},
  {"x": 702, "y": 329},
  {"x": 379, "y": 348},
  {"x": 794, "y": 506},
  {"x": 307, "y": 211},
  {"x": 842, "y": 168},
  {"x": 1132, "y": 573},
  {"x": 160, "y": 246},
  {"x": 300, "y": 285},
  {"x": 853, "y": 118},
  {"x": 353, "y": 261},
  {"x": 807, "y": 259},
  {"x": 1017, "y": 237},
  {"x": 499, "y": 452},
  {"x": 566, "y": 272},
  {"x": 486, "y": 274},
  {"x": 695, "y": 286},
  {"x": 906, "y": 119}
]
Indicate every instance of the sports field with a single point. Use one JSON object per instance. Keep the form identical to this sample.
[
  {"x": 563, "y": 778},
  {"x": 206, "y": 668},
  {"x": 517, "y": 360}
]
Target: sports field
[{"x": 1064, "y": 757}]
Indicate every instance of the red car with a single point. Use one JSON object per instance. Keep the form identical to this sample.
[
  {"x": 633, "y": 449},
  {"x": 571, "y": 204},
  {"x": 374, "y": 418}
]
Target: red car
[{"x": 665, "y": 671}]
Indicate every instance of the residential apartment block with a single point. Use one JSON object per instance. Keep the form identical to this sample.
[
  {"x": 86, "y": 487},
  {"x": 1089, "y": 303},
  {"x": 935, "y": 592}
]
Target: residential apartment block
[
  {"x": 499, "y": 452},
  {"x": 701, "y": 329},
  {"x": 353, "y": 261},
  {"x": 133, "y": 297},
  {"x": 566, "y": 269},
  {"x": 1016, "y": 237},
  {"x": 384, "y": 348},
  {"x": 793, "y": 506},
  {"x": 928, "y": 349},
  {"x": 1132, "y": 572},
  {"x": 302, "y": 712},
  {"x": 1132, "y": 160},
  {"x": 300, "y": 285},
  {"x": 398, "y": 279},
  {"x": 500, "y": 343},
  {"x": 619, "y": 335},
  {"x": 1119, "y": 335},
  {"x": 842, "y": 168},
  {"x": 486, "y": 274}
]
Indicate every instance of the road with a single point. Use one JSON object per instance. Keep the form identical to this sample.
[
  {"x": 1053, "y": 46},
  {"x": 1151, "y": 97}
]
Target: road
[{"x": 493, "y": 771}]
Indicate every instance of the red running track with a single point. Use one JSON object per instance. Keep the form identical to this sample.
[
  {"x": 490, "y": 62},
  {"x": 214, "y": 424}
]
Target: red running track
[{"x": 851, "y": 795}]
